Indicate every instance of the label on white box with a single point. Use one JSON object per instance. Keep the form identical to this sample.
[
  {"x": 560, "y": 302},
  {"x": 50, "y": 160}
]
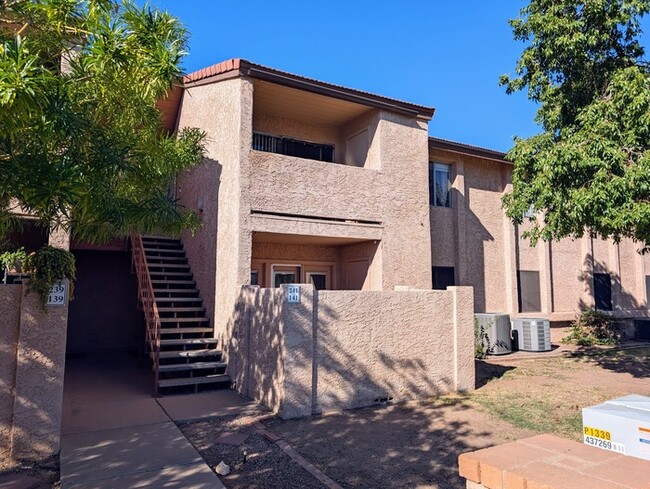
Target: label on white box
[{"x": 604, "y": 444}]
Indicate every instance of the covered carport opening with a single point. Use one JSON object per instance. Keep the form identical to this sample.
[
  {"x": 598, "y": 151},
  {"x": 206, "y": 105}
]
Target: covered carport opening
[{"x": 106, "y": 330}]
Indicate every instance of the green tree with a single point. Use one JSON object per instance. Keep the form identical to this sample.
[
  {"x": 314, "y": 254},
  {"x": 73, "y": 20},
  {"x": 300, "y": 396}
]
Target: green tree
[
  {"x": 81, "y": 140},
  {"x": 589, "y": 168}
]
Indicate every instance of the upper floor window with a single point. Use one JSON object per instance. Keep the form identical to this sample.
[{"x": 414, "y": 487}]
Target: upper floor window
[
  {"x": 292, "y": 147},
  {"x": 439, "y": 184}
]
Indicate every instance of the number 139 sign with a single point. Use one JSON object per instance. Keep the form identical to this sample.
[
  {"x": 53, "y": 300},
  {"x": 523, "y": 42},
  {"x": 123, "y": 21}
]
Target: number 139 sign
[{"x": 58, "y": 294}]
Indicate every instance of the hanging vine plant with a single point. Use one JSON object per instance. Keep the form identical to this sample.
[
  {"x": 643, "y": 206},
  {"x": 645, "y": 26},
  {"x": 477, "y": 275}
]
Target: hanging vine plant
[{"x": 46, "y": 267}]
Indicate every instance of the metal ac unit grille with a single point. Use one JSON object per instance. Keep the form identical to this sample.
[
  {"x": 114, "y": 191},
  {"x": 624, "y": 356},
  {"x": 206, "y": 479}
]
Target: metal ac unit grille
[{"x": 532, "y": 334}]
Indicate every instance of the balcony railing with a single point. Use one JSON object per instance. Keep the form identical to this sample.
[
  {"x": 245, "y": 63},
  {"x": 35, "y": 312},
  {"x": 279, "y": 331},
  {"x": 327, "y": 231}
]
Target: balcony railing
[{"x": 292, "y": 147}]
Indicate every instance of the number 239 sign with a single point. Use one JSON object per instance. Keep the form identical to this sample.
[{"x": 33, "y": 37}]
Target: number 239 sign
[{"x": 58, "y": 294}]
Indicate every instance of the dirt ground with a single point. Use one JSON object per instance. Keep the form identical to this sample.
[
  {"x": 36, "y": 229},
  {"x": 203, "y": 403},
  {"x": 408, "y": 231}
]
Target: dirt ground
[
  {"x": 42, "y": 475},
  {"x": 266, "y": 465},
  {"x": 417, "y": 445}
]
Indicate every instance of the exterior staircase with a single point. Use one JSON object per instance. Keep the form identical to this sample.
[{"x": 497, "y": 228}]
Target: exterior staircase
[{"x": 180, "y": 339}]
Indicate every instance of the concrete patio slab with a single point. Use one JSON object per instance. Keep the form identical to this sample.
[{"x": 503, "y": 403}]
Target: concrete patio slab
[
  {"x": 87, "y": 457},
  {"x": 78, "y": 418},
  {"x": 193, "y": 407},
  {"x": 195, "y": 476}
]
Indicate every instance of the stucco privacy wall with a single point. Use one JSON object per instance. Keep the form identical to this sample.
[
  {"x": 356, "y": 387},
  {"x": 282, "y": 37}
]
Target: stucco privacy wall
[
  {"x": 30, "y": 422},
  {"x": 345, "y": 349},
  {"x": 10, "y": 296}
]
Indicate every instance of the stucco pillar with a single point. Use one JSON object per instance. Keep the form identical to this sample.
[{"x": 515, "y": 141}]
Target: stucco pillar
[
  {"x": 510, "y": 238},
  {"x": 298, "y": 353},
  {"x": 460, "y": 211},
  {"x": 40, "y": 365},
  {"x": 587, "y": 252},
  {"x": 615, "y": 270},
  {"x": 463, "y": 310},
  {"x": 639, "y": 275},
  {"x": 545, "y": 276},
  {"x": 10, "y": 296}
]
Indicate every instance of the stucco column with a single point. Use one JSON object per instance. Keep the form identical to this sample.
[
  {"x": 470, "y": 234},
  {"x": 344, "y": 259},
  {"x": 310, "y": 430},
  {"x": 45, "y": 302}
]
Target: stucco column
[
  {"x": 40, "y": 365},
  {"x": 545, "y": 276},
  {"x": 459, "y": 205},
  {"x": 587, "y": 252},
  {"x": 463, "y": 310},
  {"x": 509, "y": 255},
  {"x": 615, "y": 270},
  {"x": 297, "y": 352}
]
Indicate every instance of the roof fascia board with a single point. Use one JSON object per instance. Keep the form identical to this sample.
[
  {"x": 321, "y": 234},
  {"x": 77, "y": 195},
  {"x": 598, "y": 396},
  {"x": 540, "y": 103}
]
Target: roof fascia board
[
  {"x": 250, "y": 70},
  {"x": 462, "y": 149}
]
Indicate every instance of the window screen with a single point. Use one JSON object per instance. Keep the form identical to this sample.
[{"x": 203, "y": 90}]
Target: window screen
[
  {"x": 443, "y": 277},
  {"x": 603, "y": 291},
  {"x": 528, "y": 293}
]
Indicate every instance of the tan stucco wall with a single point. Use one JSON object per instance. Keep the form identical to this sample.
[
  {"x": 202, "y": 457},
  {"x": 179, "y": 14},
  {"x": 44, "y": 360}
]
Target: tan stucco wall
[
  {"x": 486, "y": 250},
  {"x": 10, "y": 296},
  {"x": 201, "y": 186},
  {"x": 33, "y": 354},
  {"x": 395, "y": 195},
  {"x": 345, "y": 349},
  {"x": 224, "y": 111}
]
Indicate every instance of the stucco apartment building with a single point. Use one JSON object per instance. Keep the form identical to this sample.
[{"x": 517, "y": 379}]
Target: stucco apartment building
[
  {"x": 314, "y": 183},
  {"x": 395, "y": 238}
]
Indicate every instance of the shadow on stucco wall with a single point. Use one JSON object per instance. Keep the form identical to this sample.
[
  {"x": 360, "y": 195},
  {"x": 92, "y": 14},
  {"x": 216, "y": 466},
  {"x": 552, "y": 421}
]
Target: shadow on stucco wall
[
  {"x": 198, "y": 190},
  {"x": 305, "y": 358},
  {"x": 32, "y": 359}
]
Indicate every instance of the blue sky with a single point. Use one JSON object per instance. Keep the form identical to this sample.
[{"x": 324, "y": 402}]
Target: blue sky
[{"x": 448, "y": 55}]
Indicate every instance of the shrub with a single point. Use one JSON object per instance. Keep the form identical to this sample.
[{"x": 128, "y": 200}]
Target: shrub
[
  {"x": 482, "y": 346},
  {"x": 47, "y": 266},
  {"x": 592, "y": 328}
]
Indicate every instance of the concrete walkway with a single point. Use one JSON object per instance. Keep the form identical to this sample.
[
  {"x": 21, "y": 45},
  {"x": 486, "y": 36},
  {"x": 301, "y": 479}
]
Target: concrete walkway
[{"x": 115, "y": 435}]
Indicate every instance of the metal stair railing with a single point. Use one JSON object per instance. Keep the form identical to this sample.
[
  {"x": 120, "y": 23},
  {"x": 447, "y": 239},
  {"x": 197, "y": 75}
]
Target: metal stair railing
[{"x": 147, "y": 300}]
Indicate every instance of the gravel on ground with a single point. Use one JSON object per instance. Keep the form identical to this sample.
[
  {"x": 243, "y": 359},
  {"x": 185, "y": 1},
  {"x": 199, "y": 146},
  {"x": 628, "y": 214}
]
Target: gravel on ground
[{"x": 266, "y": 466}]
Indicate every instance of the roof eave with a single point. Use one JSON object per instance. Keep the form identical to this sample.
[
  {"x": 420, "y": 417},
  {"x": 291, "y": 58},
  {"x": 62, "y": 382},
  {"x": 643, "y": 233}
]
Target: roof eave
[
  {"x": 244, "y": 68},
  {"x": 452, "y": 146}
]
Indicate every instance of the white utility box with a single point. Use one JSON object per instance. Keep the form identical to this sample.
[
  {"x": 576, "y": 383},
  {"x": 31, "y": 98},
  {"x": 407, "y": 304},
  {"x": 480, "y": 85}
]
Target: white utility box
[{"x": 621, "y": 425}]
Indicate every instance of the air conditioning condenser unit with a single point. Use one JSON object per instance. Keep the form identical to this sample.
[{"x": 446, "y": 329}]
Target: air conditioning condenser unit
[
  {"x": 532, "y": 334},
  {"x": 497, "y": 329}
]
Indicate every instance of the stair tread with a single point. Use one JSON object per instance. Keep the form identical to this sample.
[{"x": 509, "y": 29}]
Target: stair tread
[
  {"x": 188, "y": 341},
  {"x": 207, "y": 379},
  {"x": 180, "y": 309},
  {"x": 201, "y": 319},
  {"x": 164, "y": 250},
  {"x": 190, "y": 366},
  {"x": 162, "y": 281},
  {"x": 167, "y": 258},
  {"x": 167, "y": 265},
  {"x": 178, "y": 299},
  {"x": 204, "y": 352},
  {"x": 184, "y": 330},
  {"x": 171, "y": 274},
  {"x": 159, "y": 238}
]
